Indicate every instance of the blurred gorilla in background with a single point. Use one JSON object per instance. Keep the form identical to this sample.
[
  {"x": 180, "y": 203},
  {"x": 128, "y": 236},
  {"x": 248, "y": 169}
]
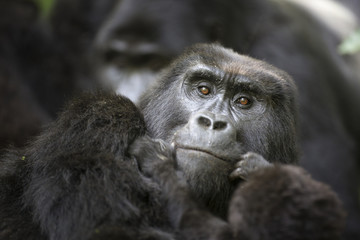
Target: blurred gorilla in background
[
  {"x": 20, "y": 113},
  {"x": 131, "y": 40},
  {"x": 352, "y": 5},
  {"x": 41, "y": 67},
  {"x": 36, "y": 74}
]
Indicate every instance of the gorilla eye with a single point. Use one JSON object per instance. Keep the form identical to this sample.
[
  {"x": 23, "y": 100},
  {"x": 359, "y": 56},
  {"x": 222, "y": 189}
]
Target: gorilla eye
[
  {"x": 204, "y": 90},
  {"x": 243, "y": 101}
]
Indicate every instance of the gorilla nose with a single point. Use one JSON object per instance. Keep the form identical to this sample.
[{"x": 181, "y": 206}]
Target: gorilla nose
[
  {"x": 208, "y": 131},
  {"x": 209, "y": 122}
]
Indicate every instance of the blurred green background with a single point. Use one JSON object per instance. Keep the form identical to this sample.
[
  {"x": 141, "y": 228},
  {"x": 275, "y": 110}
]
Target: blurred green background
[
  {"x": 351, "y": 44},
  {"x": 45, "y": 6}
]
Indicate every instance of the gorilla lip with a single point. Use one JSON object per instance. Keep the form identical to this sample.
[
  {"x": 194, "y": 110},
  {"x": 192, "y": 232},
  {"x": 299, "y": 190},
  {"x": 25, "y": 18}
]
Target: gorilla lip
[{"x": 200, "y": 150}]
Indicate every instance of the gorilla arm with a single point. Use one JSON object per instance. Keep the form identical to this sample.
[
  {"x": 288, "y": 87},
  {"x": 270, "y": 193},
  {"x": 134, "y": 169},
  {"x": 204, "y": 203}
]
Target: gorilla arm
[{"x": 156, "y": 159}]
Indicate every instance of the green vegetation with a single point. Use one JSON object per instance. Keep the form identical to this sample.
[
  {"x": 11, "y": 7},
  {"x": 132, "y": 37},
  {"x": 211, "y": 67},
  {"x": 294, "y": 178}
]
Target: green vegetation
[
  {"x": 351, "y": 45},
  {"x": 45, "y": 7}
]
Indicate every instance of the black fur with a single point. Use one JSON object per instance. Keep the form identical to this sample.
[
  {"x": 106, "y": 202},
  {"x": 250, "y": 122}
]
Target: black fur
[
  {"x": 76, "y": 177},
  {"x": 306, "y": 209}
]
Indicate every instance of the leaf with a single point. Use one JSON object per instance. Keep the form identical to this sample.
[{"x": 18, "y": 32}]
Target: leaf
[
  {"x": 45, "y": 7},
  {"x": 351, "y": 44}
]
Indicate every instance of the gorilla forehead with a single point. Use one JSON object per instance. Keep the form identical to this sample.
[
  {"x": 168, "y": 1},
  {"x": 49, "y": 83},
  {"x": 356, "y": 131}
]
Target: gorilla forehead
[
  {"x": 225, "y": 65},
  {"x": 230, "y": 61},
  {"x": 236, "y": 75}
]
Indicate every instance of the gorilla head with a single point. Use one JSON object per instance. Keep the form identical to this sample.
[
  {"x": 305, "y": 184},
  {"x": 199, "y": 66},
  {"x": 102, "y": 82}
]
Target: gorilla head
[{"x": 214, "y": 105}]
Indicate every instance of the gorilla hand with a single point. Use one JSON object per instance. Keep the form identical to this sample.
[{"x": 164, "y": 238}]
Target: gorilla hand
[
  {"x": 152, "y": 155},
  {"x": 249, "y": 163}
]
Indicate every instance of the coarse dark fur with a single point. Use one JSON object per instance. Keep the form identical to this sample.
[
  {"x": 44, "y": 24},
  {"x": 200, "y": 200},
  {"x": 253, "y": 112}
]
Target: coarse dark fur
[
  {"x": 306, "y": 209},
  {"x": 78, "y": 179}
]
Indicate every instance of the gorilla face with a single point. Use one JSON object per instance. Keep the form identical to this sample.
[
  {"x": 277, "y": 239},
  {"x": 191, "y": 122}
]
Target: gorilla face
[
  {"x": 141, "y": 37},
  {"x": 214, "y": 105}
]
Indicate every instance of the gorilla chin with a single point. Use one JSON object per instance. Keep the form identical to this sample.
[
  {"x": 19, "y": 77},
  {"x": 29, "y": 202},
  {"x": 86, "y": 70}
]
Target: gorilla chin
[
  {"x": 204, "y": 159},
  {"x": 201, "y": 154},
  {"x": 208, "y": 178}
]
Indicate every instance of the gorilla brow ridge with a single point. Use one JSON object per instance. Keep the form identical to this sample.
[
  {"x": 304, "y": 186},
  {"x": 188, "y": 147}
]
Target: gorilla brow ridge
[{"x": 204, "y": 71}]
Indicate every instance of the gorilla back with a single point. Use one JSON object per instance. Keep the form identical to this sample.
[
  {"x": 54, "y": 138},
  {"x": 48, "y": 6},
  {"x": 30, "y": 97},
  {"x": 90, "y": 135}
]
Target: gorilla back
[{"x": 78, "y": 179}]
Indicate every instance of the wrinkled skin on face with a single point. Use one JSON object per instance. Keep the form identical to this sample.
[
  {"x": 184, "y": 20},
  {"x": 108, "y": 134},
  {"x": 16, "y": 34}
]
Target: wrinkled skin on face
[{"x": 213, "y": 106}]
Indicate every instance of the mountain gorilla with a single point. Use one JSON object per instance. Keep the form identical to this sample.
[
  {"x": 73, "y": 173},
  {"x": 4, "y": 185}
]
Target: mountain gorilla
[
  {"x": 137, "y": 38},
  {"x": 88, "y": 175}
]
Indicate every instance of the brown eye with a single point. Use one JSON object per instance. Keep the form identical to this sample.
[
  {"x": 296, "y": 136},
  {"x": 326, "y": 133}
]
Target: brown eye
[
  {"x": 243, "y": 101},
  {"x": 204, "y": 90}
]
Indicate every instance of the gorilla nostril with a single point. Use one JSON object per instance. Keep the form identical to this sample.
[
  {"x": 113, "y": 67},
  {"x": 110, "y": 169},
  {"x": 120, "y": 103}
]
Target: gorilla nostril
[
  {"x": 219, "y": 125},
  {"x": 204, "y": 121}
]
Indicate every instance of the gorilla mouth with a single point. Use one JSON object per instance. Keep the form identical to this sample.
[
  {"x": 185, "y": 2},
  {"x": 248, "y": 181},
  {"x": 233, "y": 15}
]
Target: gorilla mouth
[{"x": 202, "y": 151}]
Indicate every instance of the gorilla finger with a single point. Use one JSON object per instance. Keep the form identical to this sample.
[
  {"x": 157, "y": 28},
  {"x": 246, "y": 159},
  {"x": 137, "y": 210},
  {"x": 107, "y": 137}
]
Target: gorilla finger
[{"x": 238, "y": 173}]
